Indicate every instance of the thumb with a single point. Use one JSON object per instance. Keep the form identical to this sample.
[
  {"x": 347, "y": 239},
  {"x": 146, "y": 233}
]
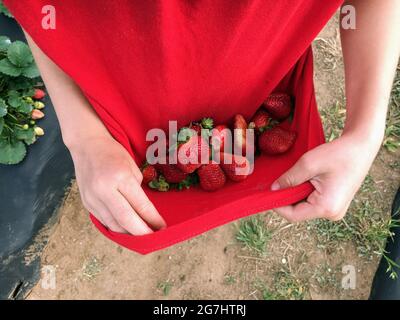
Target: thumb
[{"x": 302, "y": 171}]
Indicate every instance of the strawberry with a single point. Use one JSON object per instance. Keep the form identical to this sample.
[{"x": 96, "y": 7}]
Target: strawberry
[
  {"x": 240, "y": 126},
  {"x": 236, "y": 168},
  {"x": 191, "y": 153},
  {"x": 38, "y": 131},
  {"x": 171, "y": 172},
  {"x": 218, "y": 137},
  {"x": 211, "y": 176},
  {"x": 196, "y": 127},
  {"x": 260, "y": 121},
  {"x": 37, "y": 114},
  {"x": 276, "y": 140},
  {"x": 38, "y": 94},
  {"x": 149, "y": 173},
  {"x": 38, "y": 105},
  {"x": 279, "y": 105}
]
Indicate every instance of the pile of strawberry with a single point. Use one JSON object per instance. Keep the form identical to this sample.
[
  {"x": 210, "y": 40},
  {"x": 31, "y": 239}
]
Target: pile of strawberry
[{"x": 204, "y": 139}]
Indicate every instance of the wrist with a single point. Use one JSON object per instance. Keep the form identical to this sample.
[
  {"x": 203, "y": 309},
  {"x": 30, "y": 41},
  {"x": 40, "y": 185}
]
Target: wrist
[
  {"x": 81, "y": 143},
  {"x": 366, "y": 142}
]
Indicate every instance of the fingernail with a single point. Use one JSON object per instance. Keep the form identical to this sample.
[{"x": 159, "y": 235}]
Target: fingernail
[{"x": 275, "y": 186}]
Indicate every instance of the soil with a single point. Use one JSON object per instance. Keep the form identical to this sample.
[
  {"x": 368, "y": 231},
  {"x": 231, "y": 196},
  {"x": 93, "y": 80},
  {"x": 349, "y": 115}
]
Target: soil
[{"x": 213, "y": 265}]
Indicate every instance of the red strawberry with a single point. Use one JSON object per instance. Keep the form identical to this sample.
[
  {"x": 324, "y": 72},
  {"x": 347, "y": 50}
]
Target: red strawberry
[
  {"x": 171, "y": 172},
  {"x": 236, "y": 168},
  {"x": 260, "y": 121},
  {"x": 149, "y": 174},
  {"x": 39, "y": 94},
  {"x": 276, "y": 140},
  {"x": 219, "y": 135},
  {"x": 37, "y": 114},
  {"x": 196, "y": 127},
  {"x": 191, "y": 154},
  {"x": 211, "y": 176},
  {"x": 240, "y": 126},
  {"x": 279, "y": 105}
]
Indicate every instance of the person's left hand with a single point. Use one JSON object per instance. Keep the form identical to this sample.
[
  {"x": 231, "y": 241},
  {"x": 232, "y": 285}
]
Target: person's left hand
[{"x": 336, "y": 170}]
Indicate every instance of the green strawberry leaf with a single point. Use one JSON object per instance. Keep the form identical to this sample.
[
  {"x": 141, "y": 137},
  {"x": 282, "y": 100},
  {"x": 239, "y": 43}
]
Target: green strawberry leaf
[
  {"x": 5, "y": 11},
  {"x": 9, "y": 69},
  {"x": 25, "y": 135},
  {"x": 19, "y": 54},
  {"x": 12, "y": 153},
  {"x": 14, "y": 100},
  {"x": 25, "y": 107},
  {"x": 30, "y": 140},
  {"x": 3, "y": 108},
  {"x": 1, "y": 125},
  {"x": 31, "y": 71},
  {"x": 4, "y": 43},
  {"x": 22, "y": 83}
]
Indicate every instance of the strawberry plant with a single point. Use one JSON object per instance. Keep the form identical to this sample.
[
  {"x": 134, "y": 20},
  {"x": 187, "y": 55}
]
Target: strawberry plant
[
  {"x": 4, "y": 10},
  {"x": 19, "y": 112}
]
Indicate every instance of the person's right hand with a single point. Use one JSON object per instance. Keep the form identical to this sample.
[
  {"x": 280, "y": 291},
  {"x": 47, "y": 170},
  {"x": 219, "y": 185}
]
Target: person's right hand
[{"x": 109, "y": 184}]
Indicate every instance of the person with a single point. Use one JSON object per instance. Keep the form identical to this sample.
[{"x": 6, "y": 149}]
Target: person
[
  {"x": 386, "y": 285},
  {"x": 336, "y": 169}
]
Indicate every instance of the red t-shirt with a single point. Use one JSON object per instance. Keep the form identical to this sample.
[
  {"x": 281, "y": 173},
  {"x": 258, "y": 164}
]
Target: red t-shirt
[{"x": 142, "y": 63}]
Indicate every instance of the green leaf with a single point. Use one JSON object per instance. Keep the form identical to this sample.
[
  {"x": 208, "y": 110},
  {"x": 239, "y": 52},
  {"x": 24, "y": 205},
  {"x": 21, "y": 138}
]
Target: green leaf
[
  {"x": 22, "y": 83},
  {"x": 31, "y": 71},
  {"x": 5, "y": 11},
  {"x": 1, "y": 125},
  {"x": 12, "y": 152},
  {"x": 25, "y": 135},
  {"x": 19, "y": 54},
  {"x": 9, "y": 69},
  {"x": 14, "y": 99},
  {"x": 3, "y": 108},
  {"x": 30, "y": 140},
  {"x": 25, "y": 107},
  {"x": 4, "y": 43}
]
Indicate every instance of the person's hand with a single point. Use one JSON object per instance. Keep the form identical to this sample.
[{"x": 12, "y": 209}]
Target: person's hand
[
  {"x": 336, "y": 170},
  {"x": 109, "y": 183}
]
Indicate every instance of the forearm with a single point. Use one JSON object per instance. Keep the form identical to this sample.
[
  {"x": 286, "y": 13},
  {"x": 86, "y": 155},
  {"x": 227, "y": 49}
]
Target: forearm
[
  {"x": 371, "y": 53},
  {"x": 78, "y": 121}
]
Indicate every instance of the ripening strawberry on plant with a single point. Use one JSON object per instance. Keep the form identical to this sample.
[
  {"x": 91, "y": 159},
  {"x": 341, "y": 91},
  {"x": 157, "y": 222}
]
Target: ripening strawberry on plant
[
  {"x": 38, "y": 94},
  {"x": 37, "y": 114},
  {"x": 38, "y": 105},
  {"x": 38, "y": 131}
]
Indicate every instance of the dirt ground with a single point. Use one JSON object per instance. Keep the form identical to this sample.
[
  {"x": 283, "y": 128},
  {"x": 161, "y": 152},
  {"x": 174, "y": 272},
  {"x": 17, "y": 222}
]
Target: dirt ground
[{"x": 215, "y": 265}]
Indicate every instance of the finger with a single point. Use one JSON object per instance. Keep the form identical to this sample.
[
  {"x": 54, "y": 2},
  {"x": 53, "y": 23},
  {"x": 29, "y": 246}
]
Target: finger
[
  {"x": 101, "y": 213},
  {"x": 124, "y": 214},
  {"x": 301, "y": 212},
  {"x": 109, "y": 221},
  {"x": 302, "y": 171},
  {"x": 139, "y": 201}
]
